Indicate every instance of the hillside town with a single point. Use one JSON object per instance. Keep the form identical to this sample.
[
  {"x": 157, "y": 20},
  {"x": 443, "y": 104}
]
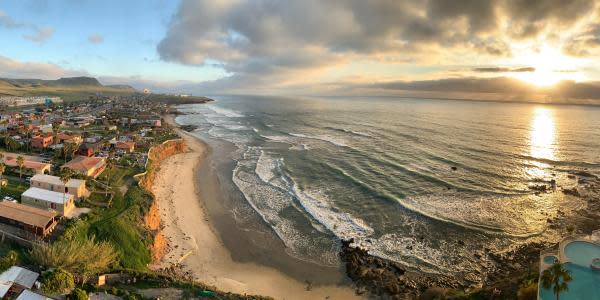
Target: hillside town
[{"x": 65, "y": 169}]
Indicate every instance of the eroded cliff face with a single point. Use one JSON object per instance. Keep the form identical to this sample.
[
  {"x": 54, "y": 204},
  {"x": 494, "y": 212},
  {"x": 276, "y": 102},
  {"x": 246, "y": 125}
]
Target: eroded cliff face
[{"x": 156, "y": 156}]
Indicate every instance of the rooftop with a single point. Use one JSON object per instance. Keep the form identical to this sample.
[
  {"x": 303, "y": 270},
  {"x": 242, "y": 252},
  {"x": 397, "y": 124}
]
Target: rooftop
[
  {"x": 16, "y": 275},
  {"x": 46, "y": 195},
  {"x": 25, "y": 214},
  {"x": 83, "y": 163},
  {"x": 74, "y": 183}
]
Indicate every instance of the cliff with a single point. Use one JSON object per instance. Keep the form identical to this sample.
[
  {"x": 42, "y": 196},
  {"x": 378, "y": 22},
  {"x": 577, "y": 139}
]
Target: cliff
[{"x": 152, "y": 221}]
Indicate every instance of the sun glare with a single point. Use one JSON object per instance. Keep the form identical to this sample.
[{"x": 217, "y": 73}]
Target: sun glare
[{"x": 551, "y": 66}]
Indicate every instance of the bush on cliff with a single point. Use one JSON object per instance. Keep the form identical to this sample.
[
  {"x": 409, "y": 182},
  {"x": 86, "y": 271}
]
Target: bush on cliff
[
  {"x": 57, "y": 282},
  {"x": 80, "y": 257}
]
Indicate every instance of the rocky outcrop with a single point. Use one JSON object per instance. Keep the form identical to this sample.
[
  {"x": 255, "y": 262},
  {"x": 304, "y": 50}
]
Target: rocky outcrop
[
  {"x": 146, "y": 180},
  {"x": 386, "y": 279}
]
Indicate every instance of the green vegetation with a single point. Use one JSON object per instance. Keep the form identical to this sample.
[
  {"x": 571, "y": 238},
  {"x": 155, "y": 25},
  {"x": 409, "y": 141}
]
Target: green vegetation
[
  {"x": 58, "y": 281},
  {"x": 81, "y": 257},
  {"x": 120, "y": 226},
  {"x": 528, "y": 291},
  {"x": 8, "y": 260},
  {"x": 78, "y": 294},
  {"x": 556, "y": 278},
  {"x": 13, "y": 189}
]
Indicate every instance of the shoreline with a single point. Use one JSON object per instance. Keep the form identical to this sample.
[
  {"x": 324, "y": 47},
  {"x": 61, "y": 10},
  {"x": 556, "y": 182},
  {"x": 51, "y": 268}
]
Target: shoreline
[{"x": 196, "y": 246}]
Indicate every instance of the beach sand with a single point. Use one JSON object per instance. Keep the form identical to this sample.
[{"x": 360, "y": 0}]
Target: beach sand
[{"x": 197, "y": 246}]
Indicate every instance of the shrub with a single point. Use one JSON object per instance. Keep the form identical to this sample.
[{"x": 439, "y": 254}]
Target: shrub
[
  {"x": 57, "y": 282},
  {"x": 10, "y": 259},
  {"x": 81, "y": 257},
  {"x": 528, "y": 292},
  {"x": 78, "y": 294}
]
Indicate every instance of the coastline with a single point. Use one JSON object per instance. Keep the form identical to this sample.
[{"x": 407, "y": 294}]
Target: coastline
[{"x": 196, "y": 246}]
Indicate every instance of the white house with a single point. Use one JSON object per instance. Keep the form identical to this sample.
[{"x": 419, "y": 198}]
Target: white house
[
  {"x": 45, "y": 199},
  {"x": 75, "y": 187}
]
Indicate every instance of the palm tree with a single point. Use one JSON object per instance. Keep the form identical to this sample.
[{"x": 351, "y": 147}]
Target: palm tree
[
  {"x": 20, "y": 163},
  {"x": 2, "y": 169},
  {"x": 557, "y": 278},
  {"x": 65, "y": 175}
]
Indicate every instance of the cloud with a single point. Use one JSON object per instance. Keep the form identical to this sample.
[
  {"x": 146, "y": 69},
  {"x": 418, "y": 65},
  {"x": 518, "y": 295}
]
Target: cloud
[
  {"x": 7, "y": 22},
  {"x": 586, "y": 43},
  {"x": 292, "y": 43},
  {"x": 40, "y": 35},
  {"x": 11, "y": 68},
  {"x": 95, "y": 39},
  {"x": 502, "y": 69}
]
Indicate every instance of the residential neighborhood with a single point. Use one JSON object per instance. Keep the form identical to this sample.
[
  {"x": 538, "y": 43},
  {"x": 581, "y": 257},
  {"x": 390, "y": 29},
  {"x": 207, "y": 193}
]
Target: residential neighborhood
[{"x": 67, "y": 164}]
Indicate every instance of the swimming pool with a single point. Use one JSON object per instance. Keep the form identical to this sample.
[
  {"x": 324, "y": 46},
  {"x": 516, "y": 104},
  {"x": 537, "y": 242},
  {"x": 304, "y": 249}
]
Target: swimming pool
[
  {"x": 550, "y": 259},
  {"x": 582, "y": 253},
  {"x": 584, "y": 286},
  {"x": 586, "y": 281}
]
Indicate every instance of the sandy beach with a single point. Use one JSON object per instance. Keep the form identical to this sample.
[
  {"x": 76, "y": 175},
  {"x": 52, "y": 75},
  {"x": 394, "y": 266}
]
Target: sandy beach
[{"x": 197, "y": 246}]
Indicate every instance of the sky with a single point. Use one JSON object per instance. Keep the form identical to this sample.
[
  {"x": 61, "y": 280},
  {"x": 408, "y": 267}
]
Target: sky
[{"x": 333, "y": 47}]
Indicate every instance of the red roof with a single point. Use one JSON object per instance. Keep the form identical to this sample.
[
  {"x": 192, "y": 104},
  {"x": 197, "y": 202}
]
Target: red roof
[{"x": 84, "y": 163}]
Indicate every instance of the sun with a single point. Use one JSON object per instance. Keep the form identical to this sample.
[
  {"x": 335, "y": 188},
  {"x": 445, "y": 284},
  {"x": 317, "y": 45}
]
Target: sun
[{"x": 551, "y": 66}]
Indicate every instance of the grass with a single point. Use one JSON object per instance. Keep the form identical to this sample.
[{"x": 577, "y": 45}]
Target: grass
[
  {"x": 13, "y": 189},
  {"x": 116, "y": 175},
  {"x": 121, "y": 225}
]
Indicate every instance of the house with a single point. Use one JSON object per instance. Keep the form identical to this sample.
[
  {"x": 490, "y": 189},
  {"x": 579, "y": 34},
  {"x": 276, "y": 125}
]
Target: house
[
  {"x": 87, "y": 149},
  {"x": 87, "y": 166},
  {"x": 75, "y": 187},
  {"x": 35, "y": 220},
  {"x": 127, "y": 147},
  {"x": 69, "y": 138},
  {"x": 15, "y": 281},
  {"x": 30, "y": 167},
  {"x": 29, "y": 295},
  {"x": 41, "y": 142},
  {"x": 46, "y": 199}
]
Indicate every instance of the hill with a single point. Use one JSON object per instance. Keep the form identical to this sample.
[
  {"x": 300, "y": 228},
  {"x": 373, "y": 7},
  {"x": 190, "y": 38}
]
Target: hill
[{"x": 70, "y": 88}]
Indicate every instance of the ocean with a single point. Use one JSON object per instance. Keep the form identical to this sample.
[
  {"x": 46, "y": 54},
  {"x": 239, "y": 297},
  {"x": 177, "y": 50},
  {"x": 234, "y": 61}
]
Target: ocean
[{"x": 432, "y": 184}]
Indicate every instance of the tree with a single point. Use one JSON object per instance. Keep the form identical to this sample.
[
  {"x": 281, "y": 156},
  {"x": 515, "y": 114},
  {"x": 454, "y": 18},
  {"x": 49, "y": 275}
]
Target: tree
[
  {"x": 557, "y": 278},
  {"x": 65, "y": 175},
  {"x": 58, "y": 281},
  {"x": 82, "y": 257},
  {"x": 2, "y": 169},
  {"x": 78, "y": 294},
  {"x": 21, "y": 164},
  {"x": 8, "y": 260}
]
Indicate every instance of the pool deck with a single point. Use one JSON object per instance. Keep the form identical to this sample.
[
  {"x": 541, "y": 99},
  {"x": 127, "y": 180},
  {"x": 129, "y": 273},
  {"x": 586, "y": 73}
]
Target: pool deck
[{"x": 559, "y": 253}]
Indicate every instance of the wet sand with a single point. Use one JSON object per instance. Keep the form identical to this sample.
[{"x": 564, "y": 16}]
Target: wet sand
[{"x": 197, "y": 246}]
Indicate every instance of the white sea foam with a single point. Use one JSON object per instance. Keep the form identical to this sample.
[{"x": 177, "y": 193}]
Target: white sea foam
[
  {"x": 326, "y": 138},
  {"x": 342, "y": 224},
  {"x": 225, "y": 112}
]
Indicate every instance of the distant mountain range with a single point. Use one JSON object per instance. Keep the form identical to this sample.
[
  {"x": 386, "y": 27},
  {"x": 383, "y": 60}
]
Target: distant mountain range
[{"x": 70, "y": 88}]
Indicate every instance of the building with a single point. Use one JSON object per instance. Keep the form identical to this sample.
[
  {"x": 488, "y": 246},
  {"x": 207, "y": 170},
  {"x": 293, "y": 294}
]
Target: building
[
  {"x": 87, "y": 166},
  {"x": 69, "y": 138},
  {"x": 127, "y": 147},
  {"x": 16, "y": 280},
  {"x": 41, "y": 142},
  {"x": 75, "y": 187},
  {"x": 30, "y": 167},
  {"x": 35, "y": 220},
  {"x": 46, "y": 199}
]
